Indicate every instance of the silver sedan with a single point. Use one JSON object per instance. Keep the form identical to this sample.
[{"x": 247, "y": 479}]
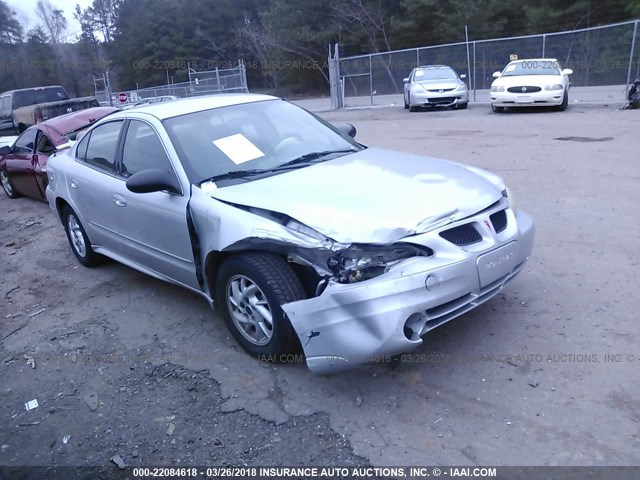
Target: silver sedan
[
  {"x": 435, "y": 86},
  {"x": 302, "y": 237}
]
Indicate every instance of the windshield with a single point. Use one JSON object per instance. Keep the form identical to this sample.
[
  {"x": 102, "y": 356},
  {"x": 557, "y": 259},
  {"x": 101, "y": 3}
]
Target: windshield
[
  {"x": 257, "y": 135},
  {"x": 24, "y": 98},
  {"x": 531, "y": 67},
  {"x": 436, "y": 73}
]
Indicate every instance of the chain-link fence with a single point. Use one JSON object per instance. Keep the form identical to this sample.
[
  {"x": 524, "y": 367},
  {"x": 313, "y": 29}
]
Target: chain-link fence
[
  {"x": 605, "y": 58},
  {"x": 230, "y": 80}
]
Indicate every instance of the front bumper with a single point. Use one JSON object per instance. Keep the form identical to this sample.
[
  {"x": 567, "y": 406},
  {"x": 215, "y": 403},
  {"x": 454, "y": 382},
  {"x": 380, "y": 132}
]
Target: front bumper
[
  {"x": 353, "y": 324},
  {"x": 439, "y": 99},
  {"x": 534, "y": 99}
]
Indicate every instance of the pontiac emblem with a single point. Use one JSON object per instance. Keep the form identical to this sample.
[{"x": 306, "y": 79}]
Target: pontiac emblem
[
  {"x": 524, "y": 89},
  {"x": 486, "y": 222}
]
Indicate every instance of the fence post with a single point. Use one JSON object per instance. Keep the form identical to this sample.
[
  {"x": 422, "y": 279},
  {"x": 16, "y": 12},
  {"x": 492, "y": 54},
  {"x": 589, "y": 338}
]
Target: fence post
[
  {"x": 474, "y": 71},
  {"x": 370, "y": 80},
  {"x": 544, "y": 44},
  {"x": 417, "y": 57},
  {"x": 633, "y": 46}
]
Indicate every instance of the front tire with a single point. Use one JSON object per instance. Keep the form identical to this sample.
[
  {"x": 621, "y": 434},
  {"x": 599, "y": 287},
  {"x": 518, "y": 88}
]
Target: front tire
[
  {"x": 495, "y": 109},
  {"x": 565, "y": 102},
  {"x": 7, "y": 186},
  {"x": 462, "y": 106},
  {"x": 251, "y": 289},
  {"x": 80, "y": 244}
]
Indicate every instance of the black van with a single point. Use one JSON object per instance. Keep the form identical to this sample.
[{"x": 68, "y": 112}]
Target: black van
[{"x": 13, "y": 99}]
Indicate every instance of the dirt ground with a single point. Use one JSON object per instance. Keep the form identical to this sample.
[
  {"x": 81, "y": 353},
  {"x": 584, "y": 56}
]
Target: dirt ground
[{"x": 546, "y": 373}]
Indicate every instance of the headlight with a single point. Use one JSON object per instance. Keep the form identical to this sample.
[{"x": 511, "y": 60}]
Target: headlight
[
  {"x": 555, "y": 86},
  {"x": 509, "y": 196},
  {"x": 418, "y": 87},
  {"x": 361, "y": 262},
  {"x": 461, "y": 87},
  {"x": 497, "y": 88}
]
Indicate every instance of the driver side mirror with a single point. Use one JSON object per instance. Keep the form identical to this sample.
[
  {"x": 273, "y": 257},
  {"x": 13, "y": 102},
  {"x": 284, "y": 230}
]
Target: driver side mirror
[
  {"x": 153, "y": 180},
  {"x": 463, "y": 76},
  {"x": 405, "y": 80},
  {"x": 496, "y": 75},
  {"x": 567, "y": 71},
  {"x": 348, "y": 129},
  {"x": 5, "y": 150}
]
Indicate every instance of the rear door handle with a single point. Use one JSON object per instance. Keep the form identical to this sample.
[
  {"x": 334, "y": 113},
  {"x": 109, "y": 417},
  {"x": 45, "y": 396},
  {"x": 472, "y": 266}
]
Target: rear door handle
[
  {"x": 120, "y": 200},
  {"x": 74, "y": 183}
]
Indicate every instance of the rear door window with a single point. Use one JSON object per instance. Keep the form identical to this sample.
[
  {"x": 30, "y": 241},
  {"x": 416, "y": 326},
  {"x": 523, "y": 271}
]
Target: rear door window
[
  {"x": 102, "y": 144},
  {"x": 45, "y": 146}
]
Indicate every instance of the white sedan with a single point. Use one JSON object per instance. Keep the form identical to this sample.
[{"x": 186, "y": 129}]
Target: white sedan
[{"x": 537, "y": 82}]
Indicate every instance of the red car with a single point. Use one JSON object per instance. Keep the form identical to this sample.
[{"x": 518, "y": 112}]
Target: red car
[{"x": 23, "y": 165}]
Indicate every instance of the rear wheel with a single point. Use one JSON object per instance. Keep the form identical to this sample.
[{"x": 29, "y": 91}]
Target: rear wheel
[
  {"x": 497, "y": 109},
  {"x": 251, "y": 289},
  {"x": 80, "y": 244},
  {"x": 7, "y": 186}
]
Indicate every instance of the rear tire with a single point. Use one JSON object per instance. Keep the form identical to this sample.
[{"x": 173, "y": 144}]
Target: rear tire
[
  {"x": 497, "y": 109},
  {"x": 7, "y": 185},
  {"x": 80, "y": 244},
  {"x": 250, "y": 291}
]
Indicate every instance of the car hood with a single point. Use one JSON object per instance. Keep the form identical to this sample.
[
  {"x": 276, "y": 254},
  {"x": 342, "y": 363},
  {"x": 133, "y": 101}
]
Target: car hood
[
  {"x": 534, "y": 80},
  {"x": 438, "y": 84},
  {"x": 372, "y": 196}
]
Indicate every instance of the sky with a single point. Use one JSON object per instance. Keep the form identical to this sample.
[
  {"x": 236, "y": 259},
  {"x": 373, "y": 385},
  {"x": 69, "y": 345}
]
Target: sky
[{"x": 26, "y": 13}]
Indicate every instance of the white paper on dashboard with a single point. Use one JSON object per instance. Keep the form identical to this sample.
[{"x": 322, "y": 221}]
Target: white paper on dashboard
[{"x": 238, "y": 148}]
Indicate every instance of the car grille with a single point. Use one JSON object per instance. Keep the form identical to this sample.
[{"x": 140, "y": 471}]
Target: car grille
[
  {"x": 441, "y": 90},
  {"x": 442, "y": 99},
  {"x": 462, "y": 235},
  {"x": 499, "y": 221},
  {"x": 529, "y": 89}
]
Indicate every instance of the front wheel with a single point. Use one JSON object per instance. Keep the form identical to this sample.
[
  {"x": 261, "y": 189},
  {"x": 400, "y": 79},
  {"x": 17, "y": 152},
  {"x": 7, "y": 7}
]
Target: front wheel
[
  {"x": 7, "y": 186},
  {"x": 80, "y": 244},
  {"x": 497, "y": 109},
  {"x": 251, "y": 289},
  {"x": 462, "y": 106},
  {"x": 565, "y": 102}
]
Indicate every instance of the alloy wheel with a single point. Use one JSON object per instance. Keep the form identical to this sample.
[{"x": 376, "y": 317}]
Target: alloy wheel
[{"x": 249, "y": 310}]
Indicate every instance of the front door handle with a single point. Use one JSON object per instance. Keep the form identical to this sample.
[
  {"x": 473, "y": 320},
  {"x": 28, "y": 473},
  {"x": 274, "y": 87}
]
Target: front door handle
[
  {"x": 74, "y": 183},
  {"x": 120, "y": 200}
]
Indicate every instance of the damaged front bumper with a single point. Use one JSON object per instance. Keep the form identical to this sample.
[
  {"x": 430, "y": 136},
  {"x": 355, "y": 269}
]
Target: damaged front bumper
[{"x": 352, "y": 324}]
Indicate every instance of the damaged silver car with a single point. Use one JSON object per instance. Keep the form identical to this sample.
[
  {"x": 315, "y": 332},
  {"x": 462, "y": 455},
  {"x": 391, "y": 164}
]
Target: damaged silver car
[{"x": 298, "y": 234}]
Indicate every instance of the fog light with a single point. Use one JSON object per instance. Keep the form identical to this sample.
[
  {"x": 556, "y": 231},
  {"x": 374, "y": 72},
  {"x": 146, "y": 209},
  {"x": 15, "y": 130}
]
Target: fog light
[
  {"x": 431, "y": 282},
  {"x": 413, "y": 326}
]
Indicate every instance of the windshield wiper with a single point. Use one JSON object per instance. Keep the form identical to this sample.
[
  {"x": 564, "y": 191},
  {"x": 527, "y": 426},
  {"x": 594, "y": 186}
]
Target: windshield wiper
[
  {"x": 302, "y": 159},
  {"x": 308, "y": 157}
]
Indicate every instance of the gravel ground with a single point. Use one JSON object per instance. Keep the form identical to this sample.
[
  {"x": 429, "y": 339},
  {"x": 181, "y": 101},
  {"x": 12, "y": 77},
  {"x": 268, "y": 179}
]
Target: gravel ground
[{"x": 123, "y": 364}]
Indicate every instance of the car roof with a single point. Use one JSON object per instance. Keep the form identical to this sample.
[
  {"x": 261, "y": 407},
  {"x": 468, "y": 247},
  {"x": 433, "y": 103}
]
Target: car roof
[
  {"x": 176, "y": 108},
  {"x": 57, "y": 127},
  {"x": 8, "y": 92},
  {"x": 534, "y": 60},
  {"x": 422, "y": 67}
]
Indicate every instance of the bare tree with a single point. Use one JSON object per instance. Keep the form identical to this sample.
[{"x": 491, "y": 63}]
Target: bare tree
[
  {"x": 369, "y": 19},
  {"x": 53, "y": 20}
]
